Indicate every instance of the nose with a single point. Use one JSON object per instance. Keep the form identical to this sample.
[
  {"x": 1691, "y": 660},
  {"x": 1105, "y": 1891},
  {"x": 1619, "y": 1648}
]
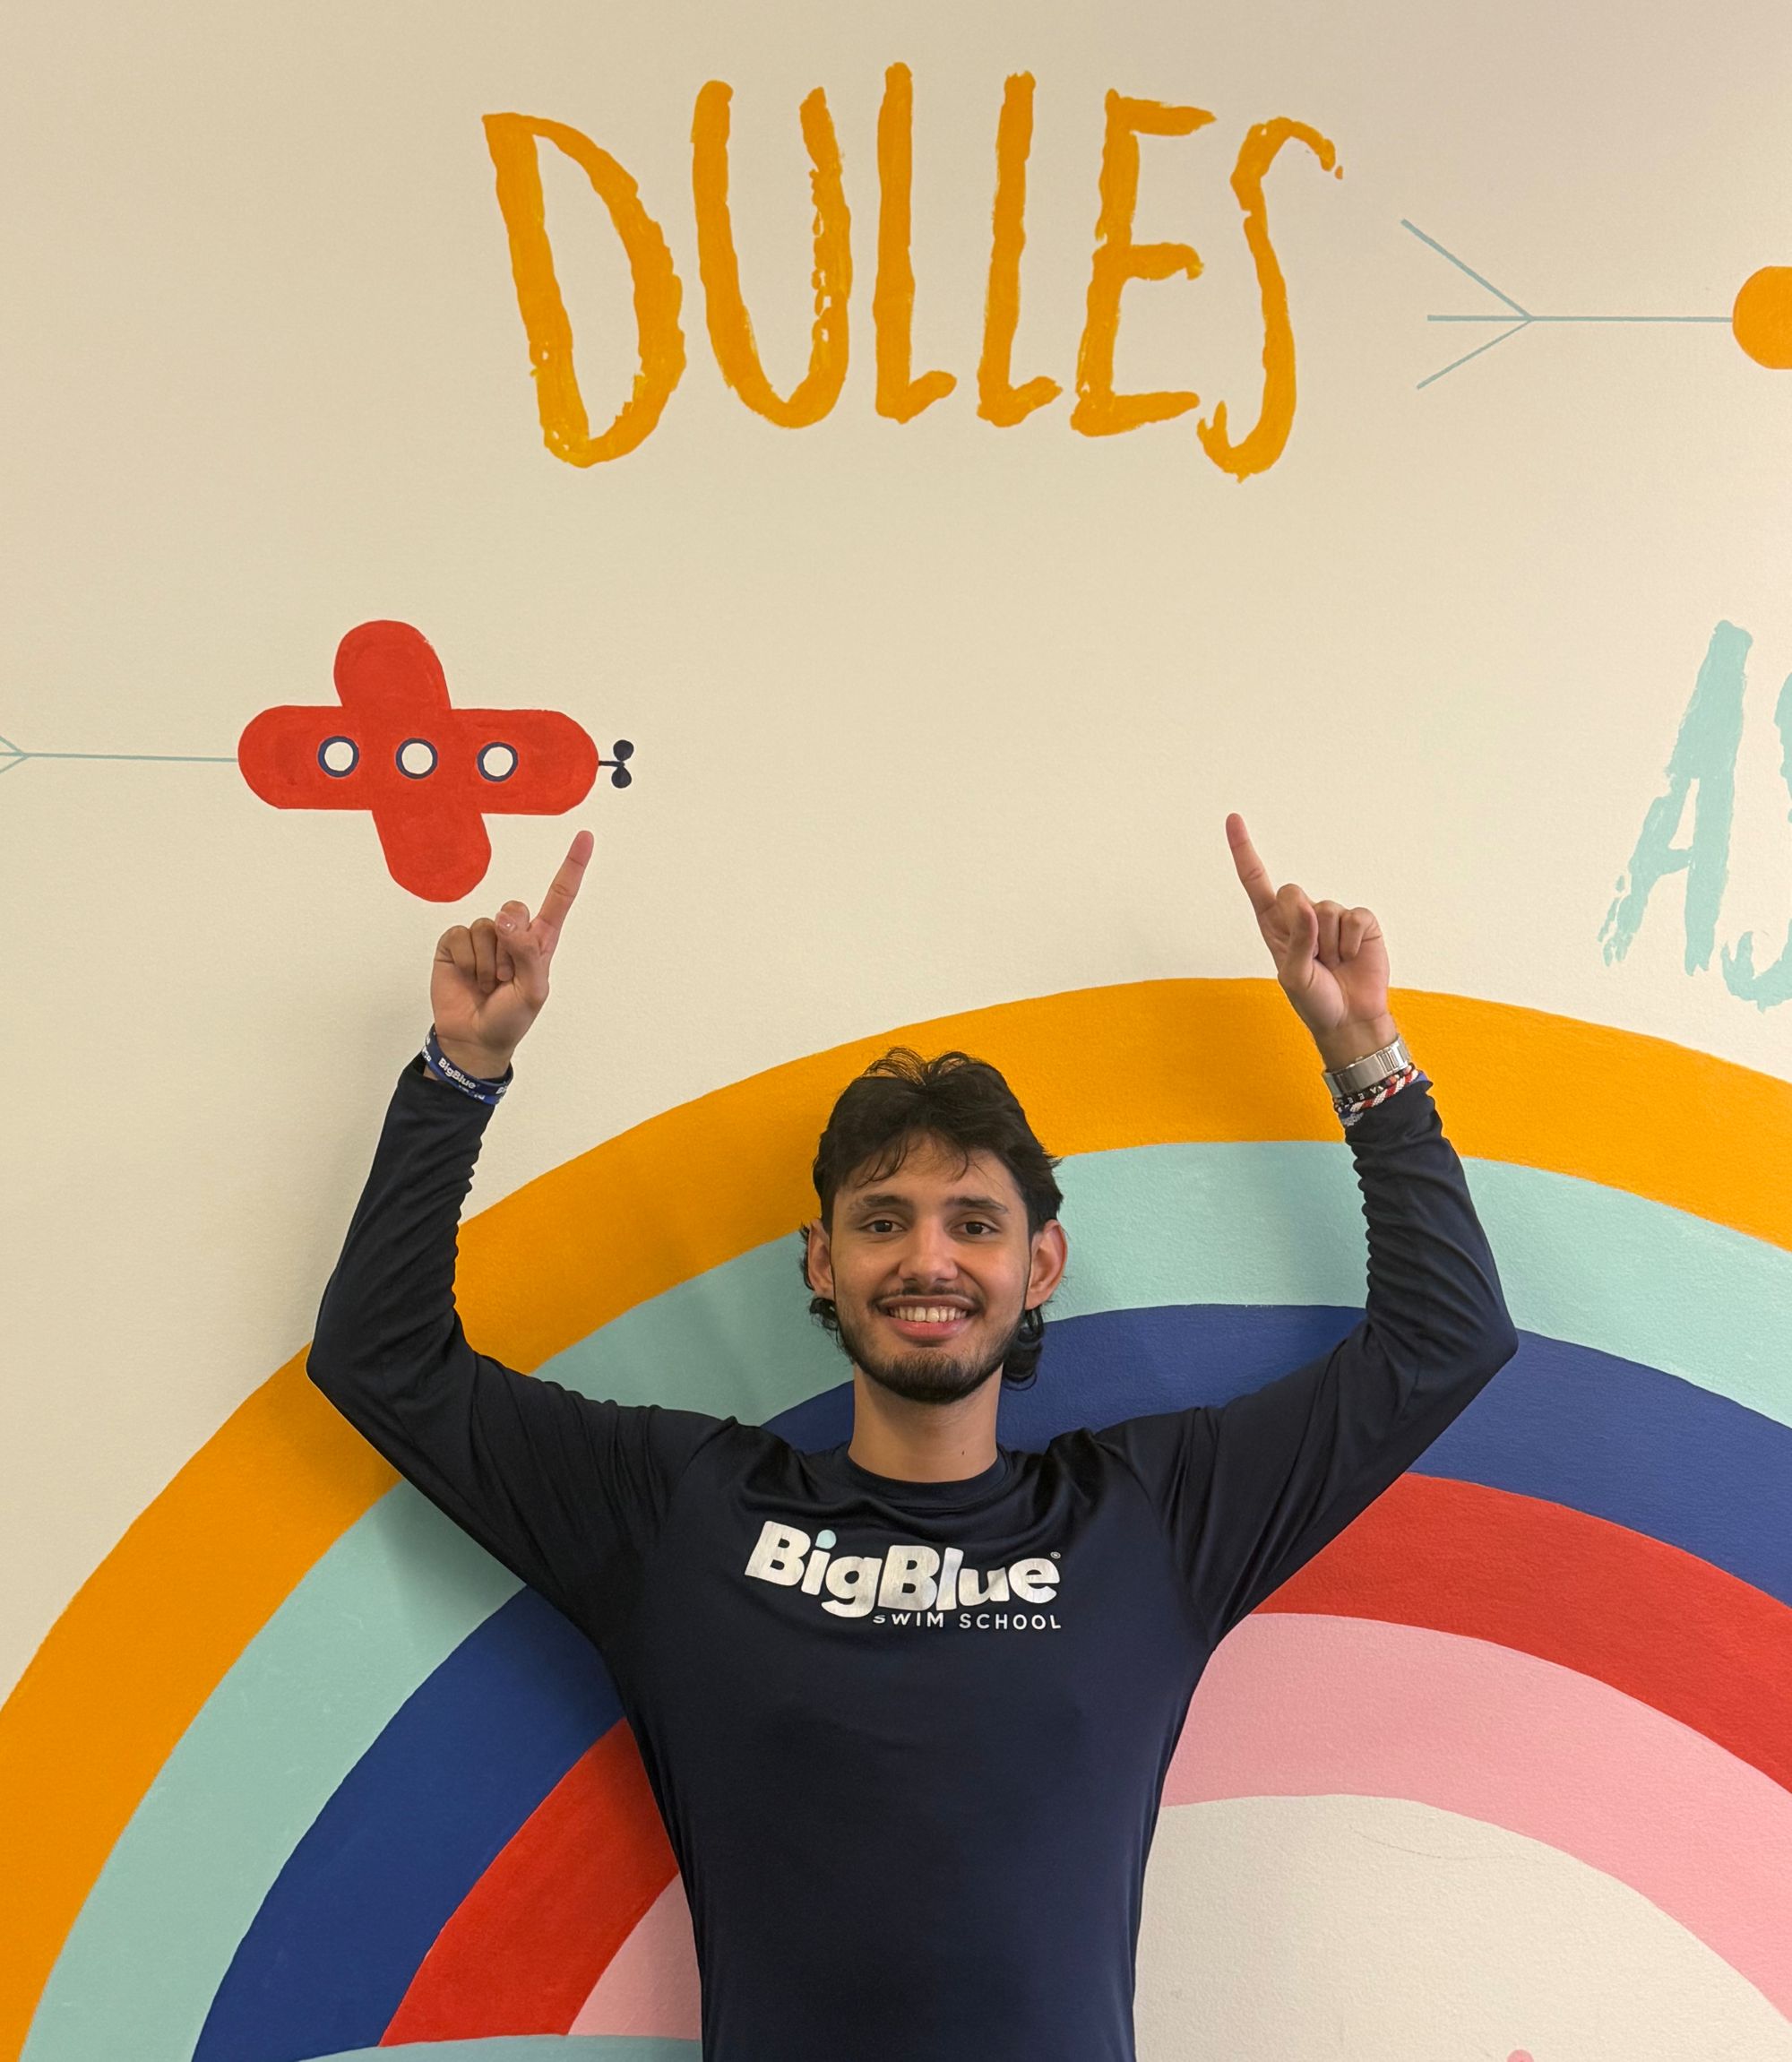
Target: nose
[{"x": 927, "y": 1260}]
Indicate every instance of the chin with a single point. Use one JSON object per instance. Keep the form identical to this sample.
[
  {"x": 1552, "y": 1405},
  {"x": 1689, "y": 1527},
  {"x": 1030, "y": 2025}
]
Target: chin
[
  {"x": 925, "y": 1377},
  {"x": 925, "y": 1374}
]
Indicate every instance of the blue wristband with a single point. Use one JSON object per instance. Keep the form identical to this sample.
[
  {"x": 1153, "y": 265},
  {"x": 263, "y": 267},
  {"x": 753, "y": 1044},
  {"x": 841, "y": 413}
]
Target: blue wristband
[{"x": 480, "y": 1089}]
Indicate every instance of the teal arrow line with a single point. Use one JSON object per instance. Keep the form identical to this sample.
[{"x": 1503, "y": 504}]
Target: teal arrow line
[{"x": 1520, "y": 316}]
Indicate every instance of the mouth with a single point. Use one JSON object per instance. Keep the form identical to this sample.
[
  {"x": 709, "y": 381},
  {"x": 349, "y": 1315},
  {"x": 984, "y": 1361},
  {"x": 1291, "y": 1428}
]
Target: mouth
[{"x": 925, "y": 1323}]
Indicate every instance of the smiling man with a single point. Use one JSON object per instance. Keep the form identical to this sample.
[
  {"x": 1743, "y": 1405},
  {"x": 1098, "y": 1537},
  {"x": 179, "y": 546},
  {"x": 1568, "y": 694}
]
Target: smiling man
[
  {"x": 906, "y": 1704},
  {"x": 936, "y": 1248}
]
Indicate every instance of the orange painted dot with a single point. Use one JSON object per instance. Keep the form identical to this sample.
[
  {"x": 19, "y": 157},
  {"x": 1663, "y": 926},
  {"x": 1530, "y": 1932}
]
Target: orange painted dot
[{"x": 1762, "y": 318}]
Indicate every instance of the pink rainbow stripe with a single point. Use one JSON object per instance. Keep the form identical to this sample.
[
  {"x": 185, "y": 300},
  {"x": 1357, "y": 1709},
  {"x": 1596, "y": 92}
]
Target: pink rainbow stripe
[
  {"x": 652, "y": 1987},
  {"x": 1308, "y": 1707}
]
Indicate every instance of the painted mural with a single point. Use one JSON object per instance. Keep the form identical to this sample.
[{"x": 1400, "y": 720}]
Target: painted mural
[{"x": 1325, "y": 418}]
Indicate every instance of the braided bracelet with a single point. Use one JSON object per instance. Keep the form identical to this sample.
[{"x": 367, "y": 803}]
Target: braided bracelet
[
  {"x": 474, "y": 1085},
  {"x": 1349, "y": 1108}
]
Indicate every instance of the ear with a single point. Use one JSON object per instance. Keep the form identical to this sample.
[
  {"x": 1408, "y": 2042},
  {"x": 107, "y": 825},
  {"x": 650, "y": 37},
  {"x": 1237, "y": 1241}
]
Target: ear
[
  {"x": 818, "y": 1259},
  {"x": 1051, "y": 1250}
]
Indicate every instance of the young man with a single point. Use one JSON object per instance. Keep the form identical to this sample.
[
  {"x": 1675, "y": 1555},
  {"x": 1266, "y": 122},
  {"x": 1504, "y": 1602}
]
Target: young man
[{"x": 906, "y": 1705}]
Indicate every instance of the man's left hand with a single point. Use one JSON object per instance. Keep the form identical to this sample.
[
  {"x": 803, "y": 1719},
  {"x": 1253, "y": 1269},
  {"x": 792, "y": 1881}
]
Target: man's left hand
[{"x": 1331, "y": 961}]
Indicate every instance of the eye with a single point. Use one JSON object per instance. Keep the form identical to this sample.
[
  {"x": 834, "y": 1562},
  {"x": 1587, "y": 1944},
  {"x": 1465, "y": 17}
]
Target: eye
[{"x": 880, "y": 1225}]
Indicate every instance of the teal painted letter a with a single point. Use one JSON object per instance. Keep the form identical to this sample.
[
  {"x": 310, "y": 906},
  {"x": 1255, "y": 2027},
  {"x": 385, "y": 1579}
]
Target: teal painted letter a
[{"x": 1702, "y": 764}]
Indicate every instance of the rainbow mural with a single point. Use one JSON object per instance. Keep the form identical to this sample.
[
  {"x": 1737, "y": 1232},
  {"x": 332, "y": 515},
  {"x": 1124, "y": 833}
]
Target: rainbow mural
[{"x": 302, "y": 1773}]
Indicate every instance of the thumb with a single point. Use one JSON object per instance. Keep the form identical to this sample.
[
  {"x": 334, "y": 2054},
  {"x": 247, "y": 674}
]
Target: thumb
[
  {"x": 1302, "y": 944},
  {"x": 529, "y": 962}
]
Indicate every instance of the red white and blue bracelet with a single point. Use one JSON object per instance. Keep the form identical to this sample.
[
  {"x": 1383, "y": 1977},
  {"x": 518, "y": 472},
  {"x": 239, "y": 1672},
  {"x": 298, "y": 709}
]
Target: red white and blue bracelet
[{"x": 1349, "y": 1108}]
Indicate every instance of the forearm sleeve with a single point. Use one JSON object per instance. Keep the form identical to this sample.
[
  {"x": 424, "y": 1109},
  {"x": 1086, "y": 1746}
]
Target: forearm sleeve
[{"x": 1253, "y": 1488}]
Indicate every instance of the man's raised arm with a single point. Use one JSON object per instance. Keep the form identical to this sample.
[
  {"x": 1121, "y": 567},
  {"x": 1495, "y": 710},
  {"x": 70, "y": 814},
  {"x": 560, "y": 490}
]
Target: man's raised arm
[
  {"x": 1252, "y": 1489},
  {"x": 565, "y": 1490},
  {"x": 1276, "y": 1474}
]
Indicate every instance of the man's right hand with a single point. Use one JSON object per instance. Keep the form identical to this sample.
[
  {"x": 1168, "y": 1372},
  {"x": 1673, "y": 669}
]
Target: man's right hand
[{"x": 490, "y": 978}]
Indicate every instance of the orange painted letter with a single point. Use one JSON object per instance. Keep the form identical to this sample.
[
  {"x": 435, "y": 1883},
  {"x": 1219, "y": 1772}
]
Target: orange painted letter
[
  {"x": 998, "y": 399},
  {"x": 1263, "y": 447},
  {"x": 1099, "y": 411},
  {"x": 512, "y": 140},
  {"x": 730, "y": 328},
  {"x": 892, "y": 300}
]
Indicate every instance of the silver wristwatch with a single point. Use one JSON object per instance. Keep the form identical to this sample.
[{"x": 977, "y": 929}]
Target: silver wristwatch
[{"x": 1367, "y": 1072}]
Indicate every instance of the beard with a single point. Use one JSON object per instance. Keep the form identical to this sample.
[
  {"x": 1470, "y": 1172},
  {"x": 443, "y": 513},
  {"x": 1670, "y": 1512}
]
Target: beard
[{"x": 923, "y": 1374}]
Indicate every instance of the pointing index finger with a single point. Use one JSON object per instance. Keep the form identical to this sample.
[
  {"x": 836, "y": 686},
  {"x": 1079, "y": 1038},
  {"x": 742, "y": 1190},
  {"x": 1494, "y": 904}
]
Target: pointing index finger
[
  {"x": 564, "y": 890},
  {"x": 1251, "y": 870}
]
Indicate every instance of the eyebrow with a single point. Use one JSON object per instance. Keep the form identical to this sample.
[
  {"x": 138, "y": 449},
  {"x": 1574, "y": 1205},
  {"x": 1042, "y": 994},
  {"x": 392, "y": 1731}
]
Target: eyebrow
[{"x": 885, "y": 1199}]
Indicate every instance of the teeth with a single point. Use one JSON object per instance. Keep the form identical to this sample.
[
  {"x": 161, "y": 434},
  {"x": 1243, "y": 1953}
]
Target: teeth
[{"x": 925, "y": 1313}]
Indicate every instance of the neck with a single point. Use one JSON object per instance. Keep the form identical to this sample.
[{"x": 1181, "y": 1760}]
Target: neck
[{"x": 923, "y": 1441}]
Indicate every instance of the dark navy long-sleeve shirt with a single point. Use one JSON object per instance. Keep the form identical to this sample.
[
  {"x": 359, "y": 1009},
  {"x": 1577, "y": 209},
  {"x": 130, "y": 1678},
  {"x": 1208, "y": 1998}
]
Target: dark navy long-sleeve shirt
[{"x": 908, "y": 1738}]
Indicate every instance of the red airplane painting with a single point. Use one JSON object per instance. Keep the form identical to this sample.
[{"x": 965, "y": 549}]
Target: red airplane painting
[{"x": 429, "y": 773}]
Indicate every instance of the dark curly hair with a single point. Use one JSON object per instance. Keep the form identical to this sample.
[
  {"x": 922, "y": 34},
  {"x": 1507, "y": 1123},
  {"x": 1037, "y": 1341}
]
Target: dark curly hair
[{"x": 961, "y": 1101}]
